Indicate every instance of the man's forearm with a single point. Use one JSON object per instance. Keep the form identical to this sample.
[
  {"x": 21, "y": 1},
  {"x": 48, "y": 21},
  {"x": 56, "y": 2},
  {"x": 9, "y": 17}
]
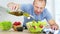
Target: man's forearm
[{"x": 52, "y": 22}]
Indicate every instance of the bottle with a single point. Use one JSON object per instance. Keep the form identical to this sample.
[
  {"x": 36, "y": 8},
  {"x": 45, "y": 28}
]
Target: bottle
[
  {"x": 19, "y": 13},
  {"x": 16, "y": 13}
]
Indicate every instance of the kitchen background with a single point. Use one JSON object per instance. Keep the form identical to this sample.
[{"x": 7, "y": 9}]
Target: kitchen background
[{"x": 52, "y": 5}]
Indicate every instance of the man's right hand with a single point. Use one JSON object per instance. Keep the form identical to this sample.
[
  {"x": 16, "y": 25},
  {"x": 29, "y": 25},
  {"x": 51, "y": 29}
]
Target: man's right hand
[{"x": 13, "y": 6}]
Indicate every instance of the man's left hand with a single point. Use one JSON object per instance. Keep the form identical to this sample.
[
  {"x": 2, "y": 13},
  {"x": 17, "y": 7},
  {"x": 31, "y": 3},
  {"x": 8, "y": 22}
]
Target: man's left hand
[{"x": 54, "y": 27}]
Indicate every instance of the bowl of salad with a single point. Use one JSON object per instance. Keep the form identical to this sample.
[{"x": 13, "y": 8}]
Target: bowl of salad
[{"x": 35, "y": 27}]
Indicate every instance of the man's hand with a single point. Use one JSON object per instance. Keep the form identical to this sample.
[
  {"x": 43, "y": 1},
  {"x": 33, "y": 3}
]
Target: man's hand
[
  {"x": 13, "y": 6},
  {"x": 53, "y": 25}
]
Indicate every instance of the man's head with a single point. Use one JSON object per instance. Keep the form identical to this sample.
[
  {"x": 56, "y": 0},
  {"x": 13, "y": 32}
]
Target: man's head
[{"x": 39, "y": 6}]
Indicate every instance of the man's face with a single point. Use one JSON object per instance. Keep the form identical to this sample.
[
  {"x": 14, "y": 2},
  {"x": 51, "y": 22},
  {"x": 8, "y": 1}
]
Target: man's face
[{"x": 39, "y": 7}]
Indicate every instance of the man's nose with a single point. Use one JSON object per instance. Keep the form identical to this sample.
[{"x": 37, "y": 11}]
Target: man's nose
[{"x": 38, "y": 10}]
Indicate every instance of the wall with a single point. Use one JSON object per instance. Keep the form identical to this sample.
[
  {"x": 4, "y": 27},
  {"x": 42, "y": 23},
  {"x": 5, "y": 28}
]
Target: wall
[{"x": 57, "y": 11}]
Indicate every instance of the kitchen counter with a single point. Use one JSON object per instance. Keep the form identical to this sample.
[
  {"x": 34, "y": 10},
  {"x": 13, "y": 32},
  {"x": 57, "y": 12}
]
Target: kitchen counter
[
  {"x": 15, "y": 32},
  {"x": 23, "y": 32}
]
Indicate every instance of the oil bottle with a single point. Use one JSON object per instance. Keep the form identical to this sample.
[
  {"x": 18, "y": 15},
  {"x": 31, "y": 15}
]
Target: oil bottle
[{"x": 19, "y": 13}]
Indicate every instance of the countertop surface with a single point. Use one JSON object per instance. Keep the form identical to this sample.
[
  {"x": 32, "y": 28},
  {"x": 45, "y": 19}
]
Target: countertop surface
[
  {"x": 23, "y": 32},
  {"x": 15, "y": 32}
]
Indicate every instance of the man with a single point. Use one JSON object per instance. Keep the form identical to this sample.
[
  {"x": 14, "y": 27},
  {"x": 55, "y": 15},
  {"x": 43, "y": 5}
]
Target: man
[{"x": 38, "y": 10}]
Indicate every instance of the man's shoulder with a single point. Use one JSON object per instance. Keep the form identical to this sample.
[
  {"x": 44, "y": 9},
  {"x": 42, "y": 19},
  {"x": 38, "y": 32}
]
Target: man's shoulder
[
  {"x": 26, "y": 5},
  {"x": 45, "y": 12},
  {"x": 45, "y": 9}
]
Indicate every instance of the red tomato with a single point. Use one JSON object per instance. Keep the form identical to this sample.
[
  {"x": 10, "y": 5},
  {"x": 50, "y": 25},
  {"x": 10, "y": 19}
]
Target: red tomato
[
  {"x": 41, "y": 26},
  {"x": 17, "y": 23}
]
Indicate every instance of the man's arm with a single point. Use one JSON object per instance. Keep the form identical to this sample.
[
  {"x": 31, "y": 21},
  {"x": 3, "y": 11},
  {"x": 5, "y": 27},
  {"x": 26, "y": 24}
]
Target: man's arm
[
  {"x": 16, "y": 9},
  {"x": 15, "y": 6},
  {"x": 53, "y": 24},
  {"x": 50, "y": 20}
]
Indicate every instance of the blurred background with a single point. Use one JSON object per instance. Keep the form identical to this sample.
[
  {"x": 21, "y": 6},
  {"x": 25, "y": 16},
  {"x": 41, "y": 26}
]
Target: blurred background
[{"x": 52, "y": 6}]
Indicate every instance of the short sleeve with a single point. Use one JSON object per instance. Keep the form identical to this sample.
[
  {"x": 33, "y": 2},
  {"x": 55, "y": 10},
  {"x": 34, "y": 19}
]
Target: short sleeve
[{"x": 48, "y": 15}]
